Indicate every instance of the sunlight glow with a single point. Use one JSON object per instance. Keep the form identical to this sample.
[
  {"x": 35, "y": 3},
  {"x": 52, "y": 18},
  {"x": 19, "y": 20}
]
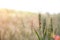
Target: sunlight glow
[{"x": 51, "y": 6}]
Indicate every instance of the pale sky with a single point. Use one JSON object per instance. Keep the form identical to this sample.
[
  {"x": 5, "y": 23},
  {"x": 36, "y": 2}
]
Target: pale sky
[{"x": 51, "y": 6}]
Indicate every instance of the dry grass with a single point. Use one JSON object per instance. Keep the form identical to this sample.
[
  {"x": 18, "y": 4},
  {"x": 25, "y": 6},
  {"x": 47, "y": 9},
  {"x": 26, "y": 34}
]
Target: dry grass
[{"x": 16, "y": 25}]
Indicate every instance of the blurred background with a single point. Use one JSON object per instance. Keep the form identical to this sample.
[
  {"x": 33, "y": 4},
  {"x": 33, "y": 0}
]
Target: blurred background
[{"x": 29, "y": 19}]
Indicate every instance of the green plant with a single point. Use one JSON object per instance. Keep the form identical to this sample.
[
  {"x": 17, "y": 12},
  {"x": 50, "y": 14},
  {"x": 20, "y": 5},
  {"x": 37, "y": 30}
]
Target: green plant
[
  {"x": 46, "y": 31},
  {"x": 43, "y": 29}
]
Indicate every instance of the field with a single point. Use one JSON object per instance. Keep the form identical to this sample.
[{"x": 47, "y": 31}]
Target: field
[{"x": 20, "y": 25}]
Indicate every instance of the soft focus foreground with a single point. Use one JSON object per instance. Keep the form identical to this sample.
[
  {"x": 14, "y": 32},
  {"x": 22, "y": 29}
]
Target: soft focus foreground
[{"x": 18, "y": 25}]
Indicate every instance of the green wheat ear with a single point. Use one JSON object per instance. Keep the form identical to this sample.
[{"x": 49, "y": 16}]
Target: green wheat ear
[
  {"x": 39, "y": 18},
  {"x": 44, "y": 29}
]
